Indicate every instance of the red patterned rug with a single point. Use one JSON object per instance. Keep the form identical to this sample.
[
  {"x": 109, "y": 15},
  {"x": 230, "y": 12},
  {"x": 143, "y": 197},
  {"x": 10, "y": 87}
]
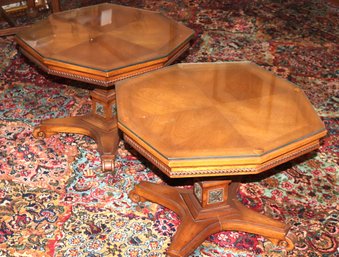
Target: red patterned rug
[{"x": 55, "y": 201}]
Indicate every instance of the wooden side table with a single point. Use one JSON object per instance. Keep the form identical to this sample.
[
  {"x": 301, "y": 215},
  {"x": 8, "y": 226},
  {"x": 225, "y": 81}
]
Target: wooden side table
[
  {"x": 215, "y": 122},
  {"x": 101, "y": 45}
]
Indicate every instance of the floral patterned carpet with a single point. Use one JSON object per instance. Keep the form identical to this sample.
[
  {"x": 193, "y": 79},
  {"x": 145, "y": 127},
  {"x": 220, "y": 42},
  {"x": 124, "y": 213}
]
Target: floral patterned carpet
[{"x": 55, "y": 201}]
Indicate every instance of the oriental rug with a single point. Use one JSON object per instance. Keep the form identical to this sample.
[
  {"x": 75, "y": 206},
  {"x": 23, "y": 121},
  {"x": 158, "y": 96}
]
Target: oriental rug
[{"x": 55, "y": 201}]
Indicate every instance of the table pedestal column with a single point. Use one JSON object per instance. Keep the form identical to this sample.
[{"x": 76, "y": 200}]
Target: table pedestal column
[
  {"x": 209, "y": 208},
  {"x": 100, "y": 124}
]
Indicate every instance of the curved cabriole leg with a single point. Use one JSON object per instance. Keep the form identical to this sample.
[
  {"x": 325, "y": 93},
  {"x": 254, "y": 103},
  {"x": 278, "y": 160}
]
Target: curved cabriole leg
[{"x": 199, "y": 221}]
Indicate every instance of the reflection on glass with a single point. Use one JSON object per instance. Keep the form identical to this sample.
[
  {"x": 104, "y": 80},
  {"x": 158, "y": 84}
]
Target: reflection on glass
[
  {"x": 210, "y": 110},
  {"x": 106, "y": 36}
]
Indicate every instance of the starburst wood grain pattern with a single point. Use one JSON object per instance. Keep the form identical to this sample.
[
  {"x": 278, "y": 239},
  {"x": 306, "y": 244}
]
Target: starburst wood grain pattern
[{"x": 217, "y": 119}]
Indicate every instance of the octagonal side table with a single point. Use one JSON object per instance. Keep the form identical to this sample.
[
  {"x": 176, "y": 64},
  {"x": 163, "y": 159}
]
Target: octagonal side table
[
  {"x": 212, "y": 122},
  {"x": 100, "y": 45}
]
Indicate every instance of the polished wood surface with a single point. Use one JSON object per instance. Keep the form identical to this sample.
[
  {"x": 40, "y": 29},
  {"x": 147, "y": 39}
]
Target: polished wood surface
[
  {"x": 100, "y": 45},
  {"x": 213, "y": 119},
  {"x": 104, "y": 42},
  {"x": 216, "y": 119}
]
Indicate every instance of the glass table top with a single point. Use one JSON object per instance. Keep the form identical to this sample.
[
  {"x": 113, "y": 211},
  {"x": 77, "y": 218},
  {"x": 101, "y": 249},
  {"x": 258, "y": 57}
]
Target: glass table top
[
  {"x": 104, "y": 37},
  {"x": 215, "y": 110}
]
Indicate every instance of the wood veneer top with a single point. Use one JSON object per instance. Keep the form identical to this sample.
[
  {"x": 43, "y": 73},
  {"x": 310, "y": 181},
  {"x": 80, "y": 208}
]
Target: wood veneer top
[
  {"x": 104, "y": 37},
  {"x": 225, "y": 112}
]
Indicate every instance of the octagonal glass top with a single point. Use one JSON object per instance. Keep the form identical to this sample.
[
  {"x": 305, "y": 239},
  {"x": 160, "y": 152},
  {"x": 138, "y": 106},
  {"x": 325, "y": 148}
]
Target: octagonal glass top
[
  {"x": 227, "y": 111},
  {"x": 104, "y": 37}
]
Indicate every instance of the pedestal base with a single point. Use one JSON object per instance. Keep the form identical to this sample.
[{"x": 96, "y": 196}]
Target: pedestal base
[
  {"x": 197, "y": 222},
  {"x": 101, "y": 125},
  {"x": 104, "y": 133}
]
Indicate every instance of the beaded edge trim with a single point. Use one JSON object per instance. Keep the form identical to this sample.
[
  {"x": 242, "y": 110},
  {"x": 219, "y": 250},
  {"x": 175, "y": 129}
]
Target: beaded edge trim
[
  {"x": 101, "y": 82},
  {"x": 221, "y": 172}
]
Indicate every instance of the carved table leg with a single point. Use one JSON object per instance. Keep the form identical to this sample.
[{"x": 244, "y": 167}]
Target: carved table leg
[
  {"x": 101, "y": 125},
  {"x": 210, "y": 208}
]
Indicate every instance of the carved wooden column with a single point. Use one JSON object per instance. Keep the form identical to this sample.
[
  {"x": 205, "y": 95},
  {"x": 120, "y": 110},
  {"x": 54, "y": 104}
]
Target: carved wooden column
[
  {"x": 211, "y": 193},
  {"x": 103, "y": 104}
]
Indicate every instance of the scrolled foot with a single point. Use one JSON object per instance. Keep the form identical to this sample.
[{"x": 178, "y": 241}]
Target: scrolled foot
[
  {"x": 135, "y": 197},
  {"x": 289, "y": 241},
  {"x": 37, "y": 133},
  {"x": 41, "y": 134}
]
